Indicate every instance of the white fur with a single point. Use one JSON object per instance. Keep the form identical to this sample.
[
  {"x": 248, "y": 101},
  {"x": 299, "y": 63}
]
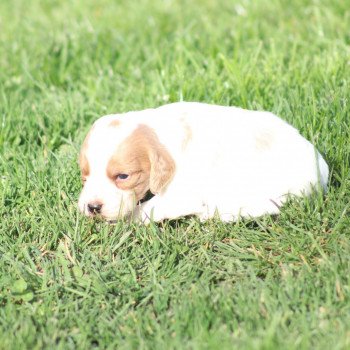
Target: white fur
[{"x": 229, "y": 161}]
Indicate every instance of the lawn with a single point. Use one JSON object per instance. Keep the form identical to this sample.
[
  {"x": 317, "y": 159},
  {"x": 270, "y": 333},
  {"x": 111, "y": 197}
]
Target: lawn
[{"x": 68, "y": 282}]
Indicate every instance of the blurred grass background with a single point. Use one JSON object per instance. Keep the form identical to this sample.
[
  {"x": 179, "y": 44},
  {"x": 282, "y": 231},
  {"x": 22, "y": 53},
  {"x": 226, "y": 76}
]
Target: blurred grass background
[{"x": 68, "y": 282}]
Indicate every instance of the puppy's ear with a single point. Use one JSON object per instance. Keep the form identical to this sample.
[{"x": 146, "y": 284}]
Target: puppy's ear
[
  {"x": 153, "y": 156},
  {"x": 162, "y": 168},
  {"x": 82, "y": 160}
]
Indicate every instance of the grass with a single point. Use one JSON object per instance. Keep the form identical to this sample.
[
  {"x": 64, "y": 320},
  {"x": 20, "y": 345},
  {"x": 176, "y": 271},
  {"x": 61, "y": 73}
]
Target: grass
[{"x": 67, "y": 282}]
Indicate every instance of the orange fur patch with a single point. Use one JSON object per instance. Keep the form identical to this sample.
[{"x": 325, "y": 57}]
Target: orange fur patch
[
  {"x": 188, "y": 134},
  {"x": 263, "y": 141},
  {"x": 83, "y": 161},
  {"x": 114, "y": 123},
  {"x": 146, "y": 161}
]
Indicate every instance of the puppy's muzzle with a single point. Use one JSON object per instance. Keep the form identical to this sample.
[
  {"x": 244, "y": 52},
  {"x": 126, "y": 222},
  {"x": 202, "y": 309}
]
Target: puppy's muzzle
[{"x": 94, "y": 208}]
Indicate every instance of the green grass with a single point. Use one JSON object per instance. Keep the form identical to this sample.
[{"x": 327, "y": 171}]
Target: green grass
[{"x": 68, "y": 282}]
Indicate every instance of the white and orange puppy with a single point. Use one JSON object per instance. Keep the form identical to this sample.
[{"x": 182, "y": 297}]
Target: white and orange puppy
[{"x": 197, "y": 159}]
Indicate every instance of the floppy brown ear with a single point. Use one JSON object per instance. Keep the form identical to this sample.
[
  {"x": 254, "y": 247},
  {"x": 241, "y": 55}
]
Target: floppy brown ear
[
  {"x": 162, "y": 168},
  {"x": 160, "y": 165},
  {"x": 82, "y": 160}
]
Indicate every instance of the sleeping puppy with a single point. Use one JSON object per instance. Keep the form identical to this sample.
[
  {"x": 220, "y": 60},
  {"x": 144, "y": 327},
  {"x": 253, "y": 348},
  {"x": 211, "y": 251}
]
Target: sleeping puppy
[{"x": 196, "y": 159}]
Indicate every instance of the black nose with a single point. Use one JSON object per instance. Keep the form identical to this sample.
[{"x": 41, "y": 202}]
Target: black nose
[{"x": 94, "y": 208}]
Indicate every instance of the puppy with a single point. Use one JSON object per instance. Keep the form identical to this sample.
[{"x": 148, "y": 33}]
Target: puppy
[{"x": 196, "y": 159}]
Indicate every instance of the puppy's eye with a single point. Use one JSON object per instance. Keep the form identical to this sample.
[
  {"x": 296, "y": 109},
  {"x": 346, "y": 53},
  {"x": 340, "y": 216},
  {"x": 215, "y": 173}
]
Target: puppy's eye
[{"x": 122, "y": 176}]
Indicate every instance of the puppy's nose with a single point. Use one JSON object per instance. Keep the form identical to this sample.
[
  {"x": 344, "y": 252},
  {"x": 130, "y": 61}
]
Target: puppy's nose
[{"x": 94, "y": 208}]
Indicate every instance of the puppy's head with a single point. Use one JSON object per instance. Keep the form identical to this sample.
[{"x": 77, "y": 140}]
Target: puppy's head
[{"x": 119, "y": 162}]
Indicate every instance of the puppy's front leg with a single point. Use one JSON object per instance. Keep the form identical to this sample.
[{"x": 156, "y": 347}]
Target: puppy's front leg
[{"x": 159, "y": 208}]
